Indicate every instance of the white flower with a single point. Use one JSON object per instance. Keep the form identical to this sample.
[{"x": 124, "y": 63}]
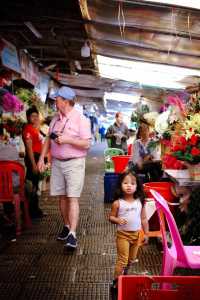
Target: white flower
[
  {"x": 193, "y": 122},
  {"x": 151, "y": 117},
  {"x": 175, "y": 114},
  {"x": 162, "y": 124}
]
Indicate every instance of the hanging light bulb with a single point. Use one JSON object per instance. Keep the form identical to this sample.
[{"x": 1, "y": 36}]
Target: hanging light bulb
[{"x": 85, "y": 50}]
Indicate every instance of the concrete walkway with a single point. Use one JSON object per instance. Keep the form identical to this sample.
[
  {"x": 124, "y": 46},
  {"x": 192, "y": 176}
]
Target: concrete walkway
[{"x": 35, "y": 267}]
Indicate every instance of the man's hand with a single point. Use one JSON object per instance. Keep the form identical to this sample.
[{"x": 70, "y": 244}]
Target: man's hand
[
  {"x": 118, "y": 134},
  {"x": 62, "y": 140}
]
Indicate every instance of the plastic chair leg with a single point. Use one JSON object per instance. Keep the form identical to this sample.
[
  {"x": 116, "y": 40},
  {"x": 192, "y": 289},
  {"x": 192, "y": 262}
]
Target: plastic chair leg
[
  {"x": 17, "y": 214},
  {"x": 167, "y": 267},
  {"x": 157, "y": 234},
  {"x": 167, "y": 270}
]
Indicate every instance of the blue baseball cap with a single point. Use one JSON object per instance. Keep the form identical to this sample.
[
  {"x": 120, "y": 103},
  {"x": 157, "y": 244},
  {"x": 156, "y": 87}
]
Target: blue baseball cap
[{"x": 65, "y": 92}]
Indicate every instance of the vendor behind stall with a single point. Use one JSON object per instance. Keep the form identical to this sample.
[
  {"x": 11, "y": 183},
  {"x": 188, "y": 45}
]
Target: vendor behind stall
[
  {"x": 33, "y": 144},
  {"x": 143, "y": 156},
  {"x": 118, "y": 133}
]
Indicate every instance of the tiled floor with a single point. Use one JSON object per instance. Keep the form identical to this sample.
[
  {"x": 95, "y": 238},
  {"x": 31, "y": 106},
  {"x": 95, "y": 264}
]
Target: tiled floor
[{"x": 35, "y": 267}]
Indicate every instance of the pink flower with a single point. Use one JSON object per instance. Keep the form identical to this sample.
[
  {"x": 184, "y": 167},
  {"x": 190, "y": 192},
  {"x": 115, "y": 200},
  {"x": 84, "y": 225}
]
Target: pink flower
[
  {"x": 11, "y": 103},
  {"x": 178, "y": 102}
]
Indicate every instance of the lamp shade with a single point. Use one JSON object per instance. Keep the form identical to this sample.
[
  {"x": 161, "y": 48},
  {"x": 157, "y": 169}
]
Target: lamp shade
[{"x": 85, "y": 50}]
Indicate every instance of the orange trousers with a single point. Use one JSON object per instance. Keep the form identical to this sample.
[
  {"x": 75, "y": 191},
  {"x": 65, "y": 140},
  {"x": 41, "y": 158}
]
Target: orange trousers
[{"x": 128, "y": 243}]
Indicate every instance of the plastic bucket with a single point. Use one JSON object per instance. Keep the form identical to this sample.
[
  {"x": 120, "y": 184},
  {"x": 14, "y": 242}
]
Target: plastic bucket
[
  {"x": 110, "y": 183},
  {"x": 163, "y": 188},
  {"x": 120, "y": 162}
]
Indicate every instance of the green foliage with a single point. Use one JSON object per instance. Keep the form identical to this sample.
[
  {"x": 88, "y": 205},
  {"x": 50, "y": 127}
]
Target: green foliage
[
  {"x": 186, "y": 156},
  {"x": 144, "y": 109},
  {"x": 138, "y": 114},
  {"x": 153, "y": 144},
  {"x": 166, "y": 135},
  {"x": 135, "y": 117},
  {"x": 45, "y": 174},
  {"x": 30, "y": 97},
  {"x": 25, "y": 95}
]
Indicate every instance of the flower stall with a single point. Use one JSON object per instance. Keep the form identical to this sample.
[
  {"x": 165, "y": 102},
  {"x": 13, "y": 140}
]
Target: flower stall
[{"x": 178, "y": 125}]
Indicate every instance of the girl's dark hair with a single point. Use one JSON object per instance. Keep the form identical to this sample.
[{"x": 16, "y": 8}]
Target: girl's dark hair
[
  {"x": 139, "y": 193},
  {"x": 30, "y": 111}
]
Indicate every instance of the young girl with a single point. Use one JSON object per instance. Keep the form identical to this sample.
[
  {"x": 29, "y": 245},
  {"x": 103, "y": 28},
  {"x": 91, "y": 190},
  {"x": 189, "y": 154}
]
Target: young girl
[{"x": 128, "y": 212}]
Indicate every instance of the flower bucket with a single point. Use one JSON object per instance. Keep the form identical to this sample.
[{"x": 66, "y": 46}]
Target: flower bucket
[
  {"x": 120, "y": 162},
  {"x": 194, "y": 171}
]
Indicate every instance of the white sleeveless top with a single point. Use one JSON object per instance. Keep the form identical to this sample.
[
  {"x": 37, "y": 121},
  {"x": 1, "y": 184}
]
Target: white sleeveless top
[{"x": 132, "y": 213}]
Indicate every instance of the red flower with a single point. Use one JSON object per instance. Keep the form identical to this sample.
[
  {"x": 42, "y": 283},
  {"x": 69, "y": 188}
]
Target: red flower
[
  {"x": 178, "y": 165},
  {"x": 195, "y": 151},
  {"x": 171, "y": 162},
  {"x": 193, "y": 140},
  {"x": 183, "y": 140},
  {"x": 180, "y": 144}
]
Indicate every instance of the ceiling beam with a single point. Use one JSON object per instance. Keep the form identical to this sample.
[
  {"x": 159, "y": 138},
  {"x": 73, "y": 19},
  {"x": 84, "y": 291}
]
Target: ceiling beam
[
  {"x": 50, "y": 46},
  {"x": 85, "y": 22},
  {"x": 143, "y": 47}
]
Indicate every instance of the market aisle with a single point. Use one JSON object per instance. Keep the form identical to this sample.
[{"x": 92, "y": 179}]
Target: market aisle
[{"x": 35, "y": 267}]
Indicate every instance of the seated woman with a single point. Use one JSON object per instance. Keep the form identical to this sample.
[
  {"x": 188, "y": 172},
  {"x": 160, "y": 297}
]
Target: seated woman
[{"x": 143, "y": 156}]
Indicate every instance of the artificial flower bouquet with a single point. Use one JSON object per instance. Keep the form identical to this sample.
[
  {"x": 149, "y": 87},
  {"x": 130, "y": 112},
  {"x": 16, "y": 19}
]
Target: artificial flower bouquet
[
  {"x": 13, "y": 125},
  {"x": 187, "y": 150},
  {"x": 171, "y": 162}
]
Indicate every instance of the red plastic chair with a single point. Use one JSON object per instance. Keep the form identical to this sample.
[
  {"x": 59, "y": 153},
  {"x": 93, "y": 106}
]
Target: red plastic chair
[
  {"x": 8, "y": 195},
  {"x": 177, "y": 255}
]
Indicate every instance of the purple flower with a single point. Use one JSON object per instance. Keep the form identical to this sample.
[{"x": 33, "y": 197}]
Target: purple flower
[{"x": 11, "y": 103}]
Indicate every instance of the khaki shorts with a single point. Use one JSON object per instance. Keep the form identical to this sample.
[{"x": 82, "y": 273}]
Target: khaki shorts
[{"x": 67, "y": 177}]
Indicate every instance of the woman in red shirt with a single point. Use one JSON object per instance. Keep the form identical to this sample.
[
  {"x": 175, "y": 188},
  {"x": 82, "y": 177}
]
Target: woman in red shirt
[{"x": 33, "y": 144}]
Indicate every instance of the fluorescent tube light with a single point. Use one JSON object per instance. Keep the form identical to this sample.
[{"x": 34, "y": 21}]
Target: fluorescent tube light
[{"x": 33, "y": 29}]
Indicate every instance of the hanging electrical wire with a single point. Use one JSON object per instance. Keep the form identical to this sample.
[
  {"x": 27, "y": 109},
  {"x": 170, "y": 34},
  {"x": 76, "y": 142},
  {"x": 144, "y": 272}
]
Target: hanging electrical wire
[
  {"x": 122, "y": 23},
  {"x": 188, "y": 26},
  {"x": 173, "y": 30}
]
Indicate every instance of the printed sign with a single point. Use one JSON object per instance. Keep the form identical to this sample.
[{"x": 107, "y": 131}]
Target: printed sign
[
  {"x": 9, "y": 56},
  {"x": 29, "y": 70}
]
